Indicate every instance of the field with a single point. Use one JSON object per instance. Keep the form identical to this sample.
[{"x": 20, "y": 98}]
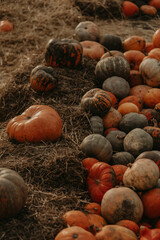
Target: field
[{"x": 53, "y": 172}]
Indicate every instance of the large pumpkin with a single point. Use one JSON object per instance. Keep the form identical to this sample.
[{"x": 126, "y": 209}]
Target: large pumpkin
[
  {"x": 101, "y": 178},
  {"x": 63, "y": 53},
  {"x": 37, "y": 123},
  {"x": 121, "y": 203},
  {"x": 13, "y": 193}
]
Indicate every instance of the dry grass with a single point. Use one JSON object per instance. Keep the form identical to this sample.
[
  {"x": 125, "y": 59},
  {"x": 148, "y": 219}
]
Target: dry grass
[{"x": 53, "y": 172}]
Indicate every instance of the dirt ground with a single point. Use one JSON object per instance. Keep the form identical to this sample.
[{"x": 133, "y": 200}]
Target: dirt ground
[{"x": 53, "y": 172}]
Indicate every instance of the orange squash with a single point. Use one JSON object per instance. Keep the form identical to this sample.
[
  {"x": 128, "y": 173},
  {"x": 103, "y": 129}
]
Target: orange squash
[
  {"x": 134, "y": 57},
  {"x": 147, "y": 234},
  {"x": 134, "y": 43},
  {"x": 132, "y": 99},
  {"x": 130, "y": 9},
  {"x": 112, "y": 118},
  {"x": 128, "y": 107},
  {"x": 96, "y": 223},
  {"x": 155, "y": 3},
  {"x": 93, "y": 207},
  {"x": 135, "y": 78},
  {"x": 148, "y": 10},
  {"x": 152, "y": 97},
  {"x": 149, "y": 46},
  {"x": 119, "y": 171},
  {"x": 92, "y": 49},
  {"x": 88, "y": 163},
  {"x": 156, "y": 38},
  {"x": 5, "y": 26},
  {"x": 130, "y": 225},
  {"x": 154, "y": 53}
]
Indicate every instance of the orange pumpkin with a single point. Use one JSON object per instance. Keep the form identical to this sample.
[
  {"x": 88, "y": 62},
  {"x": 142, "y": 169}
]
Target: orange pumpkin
[
  {"x": 154, "y": 131},
  {"x": 114, "y": 100},
  {"x": 88, "y": 163},
  {"x": 149, "y": 46},
  {"x": 152, "y": 97},
  {"x": 37, "y": 123},
  {"x": 128, "y": 107},
  {"x": 156, "y": 38},
  {"x": 92, "y": 49},
  {"x": 112, "y": 118},
  {"x": 148, "y": 10},
  {"x": 132, "y": 99},
  {"x": 134, "y": 43},
  {"x": 139, "y": 91},
  {"x": 5, "y": 26},
  {"x": 96, "y": 223},
  {"x": 75, "y": 232},
  {"x": 155, "y": 3},
  {"x": 130, "y": 9},
  {"x": 134, "y": 57},
  {"x": 119, "y": 171},
  {"x": 93, "y": 207},
  {"x": 147, "y": 234},
  {"x": 135, "y": 78},
  {"x": 154, "y": 53},
  {"x": 130, "y": 225}
]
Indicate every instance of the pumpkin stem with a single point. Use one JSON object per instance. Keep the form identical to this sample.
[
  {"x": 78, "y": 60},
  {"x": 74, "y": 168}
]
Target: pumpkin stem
[{"x": 107, "y": 50}]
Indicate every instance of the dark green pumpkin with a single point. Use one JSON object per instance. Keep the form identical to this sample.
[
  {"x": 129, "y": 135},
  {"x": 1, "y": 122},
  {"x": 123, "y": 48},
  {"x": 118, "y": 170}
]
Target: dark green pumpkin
[
  {"x": 63, "y": 53},
  {"x": 111, "y": 42},
  {"x": 42, "y": 78},
  {"x": 96, "y": 101}
]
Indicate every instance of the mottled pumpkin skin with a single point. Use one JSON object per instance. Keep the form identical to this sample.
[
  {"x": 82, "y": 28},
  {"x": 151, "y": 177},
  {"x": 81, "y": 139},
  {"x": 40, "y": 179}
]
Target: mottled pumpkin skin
[
  {"x": 37, "y": 123},
  {"x": 151, "y": 114},
  {"x": 13, "y": 193},
  {"x": 155, "y": 134},
  {"x": 63, "y": 53},
  {"x": 42, "y": 78},
  {"x": 96, "y": 101}
]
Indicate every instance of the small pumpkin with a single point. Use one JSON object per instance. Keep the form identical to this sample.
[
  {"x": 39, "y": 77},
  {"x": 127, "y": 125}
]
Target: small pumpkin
[
  {"x": 134, "y": 43},
  {"x": 5, "y": 26},
  {"x": 132, "y": 99},
  {"x": 37, "y": 123},
  {"x": 156, "y": 38},
  {"x": 13, "y": 193},
  {"x": 149, "y": 46},
  {"x": 121, "y": 203},
  {"x": 152, "y": 97},
  {"x": 139, "y": 91},
  {"x": 96, "y": 223},
  {"x": 134, "y": 57},
  {"x": 63, "y": 53},
  {"x": 130, "y": 9},
  {"x": 111, "y": 66},
  {"x": 43, "y": 79},
  {"x": 75, "y": 232},
  {"x": 92, "y": 49},
  {"x": 119, "y": 171},
  {"x": 97, "y": 146},
  {"x": 111, "y": 42},
  {"x": 112, "y": 118},
  {"x": 88, "y": 162},
  {"x": 93, "y": 207},
  {"x": 112, "y": 53},
  {"x": 154, "y": 53},
  {"x": 96, "y": 101},
  {"x": 87, "y": 30},
  {"x": 151, "y": 115},
  {"x": 143, "y": 175},
  {"x": 130, "y": 225},
  {"x": 155, "y": 3},
  {"x": 114, "y": 100},
  {"x": 128, "y": 107},
  {"x": 146, "y": 233},
  {"x": 101, "y": 178},
  {"x": 148, "y": 10},
  {"x": 135, "y": 78}
]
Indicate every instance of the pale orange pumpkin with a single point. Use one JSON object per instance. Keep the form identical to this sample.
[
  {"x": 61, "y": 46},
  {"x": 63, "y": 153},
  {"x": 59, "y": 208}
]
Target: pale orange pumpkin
[
  {"x": 148, "y": 10},
  {"x": 155, "y": 3},
  {"x": 152, "y": 97},
  {"x": 139, "y": 91},
  {"x": 92, "y": 49},
  {"x": 128, "y": 107},
  {"x": 134, "y": 43},
  {"x": 134, "y": 57}
]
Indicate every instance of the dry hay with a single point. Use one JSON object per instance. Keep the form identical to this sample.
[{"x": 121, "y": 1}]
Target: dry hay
[{"x": 53, "y": 172}]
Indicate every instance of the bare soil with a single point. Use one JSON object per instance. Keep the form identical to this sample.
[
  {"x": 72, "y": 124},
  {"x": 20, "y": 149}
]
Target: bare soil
[{"x": 53, "y": 172}]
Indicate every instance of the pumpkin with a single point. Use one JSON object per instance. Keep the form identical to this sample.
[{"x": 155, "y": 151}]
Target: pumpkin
[
  {"x": 130, "y": 9},
  {"x": 135, "y": 78},
  {"x": 128, "y": 107},
  {"x": 42, "y": 78},
  {"x": 111, "y": 232},
  {"x": 5, "y": 26},
  {"x": 37, "y": 123},
  {"x": 116, "y": 139},
  {"x": 152, "y": 97},
  {"x": 117, "y": 85},
  {"x": 132, "y": 120},
  {"x": 151, "y": 115},
  {"x": 96, "y": 123},
  {"x": 108, "y": 130},
  {"x": 149, "y": 46},
  {"x": 96, "y": 101},
  {"x": 63, "y": 53},
  {"x": 88, "y": 162},
  {"x": 139, "y": 91},
  {"x": 119, "y": 171},
  {"x": 97, "y": 146},
  {"x": 152, "y": 155},
  {"x": 130, "y": 225},
  {"x": 134, "y": 57},
  {"x": 92, "y": 49},
  {"x": 151, "y": 203},
  {"x": 143, "y": 175},
  {"x": 154, "y": 53},
  {"x": 13, "y": 193},
  {"x": 131, "y": 99},
  {"x": 150, "y": 70},
  {"x": 93, "y": 207},
  {"x": 96, "y": 223},
  {"x": 114, "y": 100},
  {"x": 155, "y": 3},
  {"x": 148, "y": 10},
  {"x": 87, "y": 30},
  {"x": 134, "y": 142},
  {"x": 111, "y": 66},
  {"x": 154, "y": 132},
  {"x": 157, "y": 224},
  {"x": 134, "y": 43},
  {"x": 112, "y": 118},
  {"x": 122, "y": 158},
  {"x": 112, "y": 53},
  {"x": 111, "y": 42},
  {"x": 156, "y": 38},
  {"x": 121, "y": 203},
  {"x": 73, "y": 233},
  {"x": 146, "y": 233},
  {"x": 101, "y": 178},
  {"x": 76, "y": 218}
]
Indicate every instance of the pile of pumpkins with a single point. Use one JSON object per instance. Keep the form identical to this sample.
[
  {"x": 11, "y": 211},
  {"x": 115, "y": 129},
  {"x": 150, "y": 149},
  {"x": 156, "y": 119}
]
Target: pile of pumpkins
[
  {"x": 122, "y": 153},
  {"x": 134, "y": 8}
]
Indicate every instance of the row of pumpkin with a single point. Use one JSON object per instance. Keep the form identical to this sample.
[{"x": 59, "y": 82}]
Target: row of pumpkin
[{"x": 141, "y": 177}]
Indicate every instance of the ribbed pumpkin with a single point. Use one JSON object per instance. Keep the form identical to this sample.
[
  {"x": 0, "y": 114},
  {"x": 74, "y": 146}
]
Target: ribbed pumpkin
[
  {"x": 150, "y": 70},
  {"x": 43, "y": 79},
  {"x": 112, "y": 53},
  {"x": 13, "y": 193},
  {"x": 112, "y": 66},
  {"x": 96, "y": 101},
  {"x": 119, "y": 171},
  {"x": 151, "y": 115},
  {"x": 130, "y": 225},
  {"x": 5, "y": 26},
  {"x": 63, "y": 53},
  {"x": 97, "y": 146},
  {"x": 88, "y": 162},
  {"x": 101, "y": 178}
]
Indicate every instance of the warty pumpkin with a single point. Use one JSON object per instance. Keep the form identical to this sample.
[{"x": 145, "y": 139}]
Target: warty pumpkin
[
  {"x": 13, "y": 193},
  {"x": 63, "y": 53},
  {"x": 37, "y": 123}
]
